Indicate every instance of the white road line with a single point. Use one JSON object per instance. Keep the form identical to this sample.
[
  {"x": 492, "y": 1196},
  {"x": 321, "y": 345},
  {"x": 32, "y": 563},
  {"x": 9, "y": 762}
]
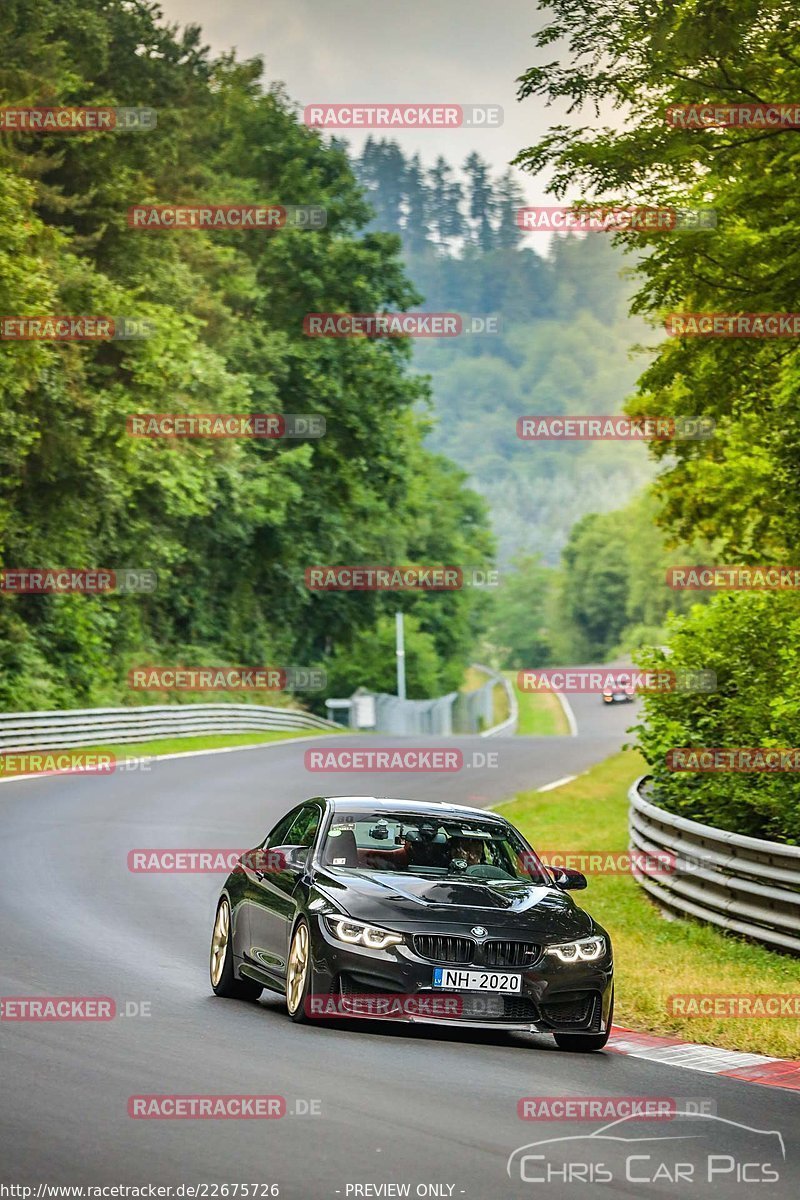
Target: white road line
[
  {"x": 568, "y": 713},
  {"x": 548, "y": 787},
  {"x": 156, "y": 757}
]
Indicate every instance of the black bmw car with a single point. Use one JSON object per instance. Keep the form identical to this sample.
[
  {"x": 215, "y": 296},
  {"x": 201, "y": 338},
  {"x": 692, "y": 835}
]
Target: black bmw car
[{"x": 356, "y": 906}]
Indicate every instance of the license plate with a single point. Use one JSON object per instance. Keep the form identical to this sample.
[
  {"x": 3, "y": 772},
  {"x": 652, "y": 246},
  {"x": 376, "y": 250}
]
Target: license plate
[{"x": 477, "y": 981}]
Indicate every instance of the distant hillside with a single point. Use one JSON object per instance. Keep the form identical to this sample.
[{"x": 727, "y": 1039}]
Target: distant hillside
[{"x": 563, "y": 348}]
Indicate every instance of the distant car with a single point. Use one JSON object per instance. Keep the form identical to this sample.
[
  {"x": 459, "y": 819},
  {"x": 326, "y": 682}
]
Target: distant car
[
  {"x": 352, "y": 901},
  {"x": 619, "y": 691}
]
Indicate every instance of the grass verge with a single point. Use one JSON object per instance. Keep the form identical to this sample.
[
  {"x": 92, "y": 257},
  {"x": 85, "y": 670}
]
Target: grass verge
[
  {"x": 174, "y": 745},
  {"x": 540, "y": 713},
  {"x": 474, "y": 679},
  {"x": 656, "y": 957}
]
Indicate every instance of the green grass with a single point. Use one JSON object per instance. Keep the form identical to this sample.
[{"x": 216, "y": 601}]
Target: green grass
[
  {"x": 176, "y": 745},
  {"x": 539, "y": 712},
  {"x": 656, "y": 957}
]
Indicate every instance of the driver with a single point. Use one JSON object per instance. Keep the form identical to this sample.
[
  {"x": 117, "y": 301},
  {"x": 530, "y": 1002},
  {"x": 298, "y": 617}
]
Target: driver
[{"x": 468, "y": 849}]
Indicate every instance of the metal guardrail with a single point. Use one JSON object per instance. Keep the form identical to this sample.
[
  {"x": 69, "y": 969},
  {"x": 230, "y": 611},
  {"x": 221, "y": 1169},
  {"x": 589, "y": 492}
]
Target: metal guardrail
[
  {"x": 457, "y": 713},
  {"x": 64, "y": 728},
  {"x": 745, "y": 884},
  {"x": 510, "y": 723},
  {"x": 414, "y": 718}
]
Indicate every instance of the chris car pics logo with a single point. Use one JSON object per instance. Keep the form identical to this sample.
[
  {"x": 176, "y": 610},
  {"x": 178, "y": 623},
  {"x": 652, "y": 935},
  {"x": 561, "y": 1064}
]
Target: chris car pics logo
[{"x": 700, "y": 1152}]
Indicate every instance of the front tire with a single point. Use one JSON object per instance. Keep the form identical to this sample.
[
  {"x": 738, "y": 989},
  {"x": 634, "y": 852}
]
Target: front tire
[
  {"x": 223, "y": 980},
  {"x": 298, "y": 972}
]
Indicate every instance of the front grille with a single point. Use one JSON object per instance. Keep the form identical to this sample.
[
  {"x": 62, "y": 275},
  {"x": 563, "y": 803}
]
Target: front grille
[
  {"x": 444, "y": 948},
  {"x": 498, "y": 953},
  {"x": 494, "y": 953}
]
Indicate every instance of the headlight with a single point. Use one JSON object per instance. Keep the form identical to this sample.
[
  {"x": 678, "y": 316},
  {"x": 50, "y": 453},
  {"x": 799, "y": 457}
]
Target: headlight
[
  {"x": 356, "y": 933},
  {"x": 585, "y": 950}
]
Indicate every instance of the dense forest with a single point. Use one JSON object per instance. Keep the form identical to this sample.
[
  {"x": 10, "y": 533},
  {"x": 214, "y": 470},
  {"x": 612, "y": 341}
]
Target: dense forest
[
  {"x": 565, "y": 345},
  {"x": 228, "y": 526},
  {"x": 581, "y": 556}
]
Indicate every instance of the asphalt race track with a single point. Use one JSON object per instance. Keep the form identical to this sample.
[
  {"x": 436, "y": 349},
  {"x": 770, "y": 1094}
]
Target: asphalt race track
[{"x": 396, "y": 1105}]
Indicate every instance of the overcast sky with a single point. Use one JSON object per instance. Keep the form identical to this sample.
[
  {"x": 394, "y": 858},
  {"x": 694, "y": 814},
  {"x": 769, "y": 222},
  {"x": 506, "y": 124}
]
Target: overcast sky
[{"x": 459, "y": 51}]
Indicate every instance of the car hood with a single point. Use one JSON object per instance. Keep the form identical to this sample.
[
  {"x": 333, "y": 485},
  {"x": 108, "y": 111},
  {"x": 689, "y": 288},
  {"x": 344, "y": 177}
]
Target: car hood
[{"x": 413, "y": 902}]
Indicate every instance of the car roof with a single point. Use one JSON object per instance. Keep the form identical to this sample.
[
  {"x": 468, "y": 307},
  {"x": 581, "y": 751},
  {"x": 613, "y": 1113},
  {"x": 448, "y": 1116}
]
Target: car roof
[{"x": 389, "y": 805}]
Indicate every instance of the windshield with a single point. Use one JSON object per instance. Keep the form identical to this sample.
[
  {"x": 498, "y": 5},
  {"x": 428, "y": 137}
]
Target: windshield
[{"x": 431, "y": 846}]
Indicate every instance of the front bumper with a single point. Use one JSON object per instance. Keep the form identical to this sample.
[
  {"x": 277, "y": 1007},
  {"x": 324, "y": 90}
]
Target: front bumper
[{"x": 555, "y": 997}]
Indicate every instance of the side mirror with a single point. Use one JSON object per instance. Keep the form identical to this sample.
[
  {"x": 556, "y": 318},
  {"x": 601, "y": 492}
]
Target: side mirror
[
  {"x": 569, "y": 880},
  {"x": 293, "y": 858}
]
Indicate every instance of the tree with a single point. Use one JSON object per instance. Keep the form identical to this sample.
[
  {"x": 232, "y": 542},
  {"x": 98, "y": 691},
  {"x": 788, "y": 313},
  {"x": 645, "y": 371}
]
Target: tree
[
  {"x": 750, "y": 643},
  {"x": 509, "y": 199},
  {"x": 382, "y": 169},
  {"x": 518, "y": 630},
  {"x": 446, "y": 201},
  {"x": 370, "y": 662},
  {"x": 594, "y": 586},
  {"x": 642, "y": 59},
  {"x": 481, "y": 206}
]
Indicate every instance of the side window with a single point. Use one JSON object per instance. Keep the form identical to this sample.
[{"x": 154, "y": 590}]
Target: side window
[
  {"x": 278, "y": 835},
  {"x": 306, "y": 824}
]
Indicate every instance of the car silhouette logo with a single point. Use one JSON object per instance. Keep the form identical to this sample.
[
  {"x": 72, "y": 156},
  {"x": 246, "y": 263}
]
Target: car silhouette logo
[
  {"x": 614, "y": 1133},
  {"x": 478, "y": 931}
]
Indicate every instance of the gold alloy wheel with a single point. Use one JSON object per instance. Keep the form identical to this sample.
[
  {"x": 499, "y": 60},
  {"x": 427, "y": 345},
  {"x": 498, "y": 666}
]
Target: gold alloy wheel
[
  {"x": 298, "y": 968},
  {"x": 219, "y": 942}
]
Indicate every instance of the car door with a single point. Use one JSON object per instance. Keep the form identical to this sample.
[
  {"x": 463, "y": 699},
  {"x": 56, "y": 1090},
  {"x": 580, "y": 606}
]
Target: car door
[
  {"x": 272, "y": 914},
  {"x": 253, "y": 864}
]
